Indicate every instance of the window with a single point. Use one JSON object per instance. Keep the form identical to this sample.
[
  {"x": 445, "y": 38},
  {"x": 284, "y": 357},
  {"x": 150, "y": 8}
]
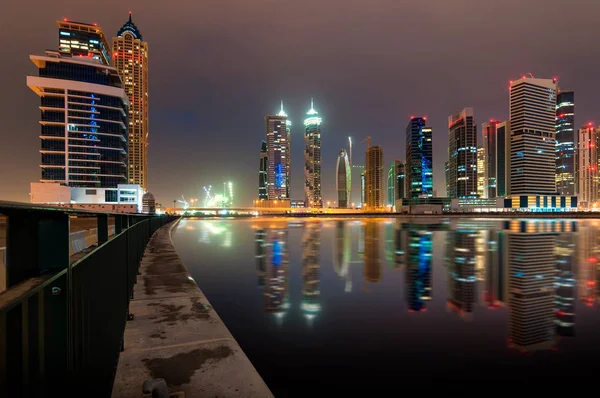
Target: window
[{"x": 90, "y": 192}]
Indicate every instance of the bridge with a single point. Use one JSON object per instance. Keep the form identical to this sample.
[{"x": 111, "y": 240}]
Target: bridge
[{"x": 256, "y": 211}]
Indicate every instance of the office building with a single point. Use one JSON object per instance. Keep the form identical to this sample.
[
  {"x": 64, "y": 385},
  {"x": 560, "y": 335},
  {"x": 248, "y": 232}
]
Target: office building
[
  {"x": 130, "y": 56},
  {"x": 462, "y": 154},
  {"x": 83, "y": 125},
  {"x": 481, "y": 172},
  {"x": 343, "y": 180},
  {"x": 395, "y": 183},
  {"x": 565, "y": 143},
  {"x": 278, "y": 156},
  {"x": 533, "y": 131},
  {"x": 419, "y": 159},
  {"x": 262, "y": 172},
  {"x": 587, "y": 162},
  {"x": 502, "y": 153},
  {"x": 490, "y": 159},
  {"x": 312, "y": 159},
  {"x": 374, "y": 191},
  {"x": 362, "y": 189},
  {"x": 83, "y": 40}
]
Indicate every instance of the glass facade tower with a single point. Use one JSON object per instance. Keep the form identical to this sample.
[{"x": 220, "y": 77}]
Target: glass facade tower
[
  {"x": 278, "y": 149},
  {"x": 462, "y": 154},
  {"x": 419, "y": 159},
  {"x": 262, "y": 172},
  {"x": 312, "y": 159},
  {"x": 343, "y": 179},
  {"x": 565, "y": 143},
  {"x": 83, "y": 40}
]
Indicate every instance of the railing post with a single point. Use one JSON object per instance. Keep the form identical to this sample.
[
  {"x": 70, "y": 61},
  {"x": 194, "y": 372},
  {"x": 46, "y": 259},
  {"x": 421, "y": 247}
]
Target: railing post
[
  {"x": 120, "y": 224},
  {"x": 102, "y": 228}
]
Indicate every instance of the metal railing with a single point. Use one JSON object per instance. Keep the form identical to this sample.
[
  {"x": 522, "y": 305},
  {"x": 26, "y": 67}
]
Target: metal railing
[{"x": 62, "y": 322}]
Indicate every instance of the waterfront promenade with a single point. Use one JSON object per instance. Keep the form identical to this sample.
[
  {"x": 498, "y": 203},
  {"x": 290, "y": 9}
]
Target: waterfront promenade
[{"x": 176, "y": 335}]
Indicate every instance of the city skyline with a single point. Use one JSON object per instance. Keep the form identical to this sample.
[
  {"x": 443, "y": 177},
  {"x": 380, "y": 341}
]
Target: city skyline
[{"x": 180, "y": 130}]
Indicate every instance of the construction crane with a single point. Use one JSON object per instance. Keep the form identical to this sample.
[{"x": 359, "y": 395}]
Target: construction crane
[
  {"x": 184, "y": 202},
  {"x": 368, "y": 139}
]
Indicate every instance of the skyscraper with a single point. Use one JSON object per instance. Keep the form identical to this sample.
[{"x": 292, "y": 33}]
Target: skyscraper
[
  {"x": 83, "y": 119},
  {"x": 362, "y": 189},
  {"x": 565, "y": 143},
  {"x": 481, "y": 172},
  {"x": 490, "y": 163},
  {"x": 130, "y": 55},
  {"x": 312, "y": 159},
  {"x": 462, "y": 154},
  {"x": 83, "y": 40},
  {"x": 400, "y": 189},
  {"x": 343, "y": 179},
  {"x": 502, "y": 158},
  {"x": 533, "y": 131},
  {"x": 278, "y": 154},
  {"x": 587, "y": 161},
  {"x": 419, "y": 159},
  {"x": 374, "y": 191},
  {"x": 395, "y": 182},
  {"x": 262, "y": 172}
]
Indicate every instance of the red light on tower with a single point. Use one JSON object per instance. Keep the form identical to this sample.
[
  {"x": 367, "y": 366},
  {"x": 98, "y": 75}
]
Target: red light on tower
[
  {"x": 424, "y": 117},
  {"x": 65, "y": 19}
]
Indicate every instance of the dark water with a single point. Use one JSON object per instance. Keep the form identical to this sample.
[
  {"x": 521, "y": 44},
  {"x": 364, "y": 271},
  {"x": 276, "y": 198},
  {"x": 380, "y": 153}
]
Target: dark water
[{"x": 333, "y": 307}]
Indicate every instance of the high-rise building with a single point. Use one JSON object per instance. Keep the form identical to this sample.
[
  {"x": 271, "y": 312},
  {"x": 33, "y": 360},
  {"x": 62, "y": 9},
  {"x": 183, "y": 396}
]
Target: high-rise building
[
  {"x": 130, "y": 55},
  {"x": 83, "y": 40},
  {"x": 374, "y": 191},
  {"x": 83, "y": 121},
  {"x": 481, "y": 172},
  {"x": 502, "y": 158},
  {"x": 343, "y": 179},
  {"x": 362, "y": 189},
  {"x": 419, "y": 159},
  {"x": 278, "y": 154},
  {"x": 462, "y": 154},
  {"x": 447, "y": 176},
  {"x": 262, "y": 172},
  {"x": 400, "y": 189},
  {"x": 587, "y": 162},
  {"x": 533, "y": 131},
  {"x": 565, "y": 143},
  {"x": 312, "y": 159},
  {"x": 490, "y": 163},
  {"x": 395, "y": 182}
]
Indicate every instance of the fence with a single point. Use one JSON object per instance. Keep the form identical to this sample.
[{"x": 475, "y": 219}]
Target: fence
[{"x": 62, "y": 323}]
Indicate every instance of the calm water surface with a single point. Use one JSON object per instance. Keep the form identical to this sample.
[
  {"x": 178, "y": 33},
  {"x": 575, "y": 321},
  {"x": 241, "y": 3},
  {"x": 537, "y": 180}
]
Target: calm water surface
[{"x": 331, "y": 307}]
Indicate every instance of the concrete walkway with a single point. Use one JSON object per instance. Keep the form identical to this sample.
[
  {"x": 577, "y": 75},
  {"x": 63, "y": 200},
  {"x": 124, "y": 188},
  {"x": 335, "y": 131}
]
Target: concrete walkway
[{"x": 177, "y": 336}]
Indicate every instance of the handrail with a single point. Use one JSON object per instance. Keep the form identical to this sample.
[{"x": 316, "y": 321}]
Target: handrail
[{"x": 6, "y": 205}]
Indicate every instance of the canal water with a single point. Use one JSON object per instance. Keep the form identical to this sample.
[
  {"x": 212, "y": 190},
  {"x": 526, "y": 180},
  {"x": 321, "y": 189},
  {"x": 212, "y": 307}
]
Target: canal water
[{"x": 340, "y": 306}]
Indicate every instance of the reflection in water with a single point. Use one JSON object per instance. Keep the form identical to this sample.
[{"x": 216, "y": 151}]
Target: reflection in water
[
  {"x": 418, "y": 268},
  {"x": 311, "y": 243},
  {"x": 372, "y": 270},
  {"x": 343, "y": 254},
  {"x": 260, "y": 238},
  {"x": 461, "y": 270},
  {"x": 276, "y": 292},
  {"x": 212, "y": 231},
  {"x": 565, "y": 285},
  {"x": 589, "y": 264}
]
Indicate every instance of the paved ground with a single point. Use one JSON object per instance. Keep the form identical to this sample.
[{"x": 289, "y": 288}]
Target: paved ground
[{"x": 177, "y": 336}]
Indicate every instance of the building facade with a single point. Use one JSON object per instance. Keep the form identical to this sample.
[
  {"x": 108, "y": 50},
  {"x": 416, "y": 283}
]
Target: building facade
[
  {"x": 312, "y": 159},
  {"x": 395, "y": 182},
  {"x": 343, "y": 180},
  {"x": 502, "y": 158},
  {"x": 533, "y": 131},
  {"x": 83, "y": 40},
  {"x": 262, "y": 172},
  {"x": 587, "y": 162},
  {"x": 490, "y": 162},
  {"x": 362, "y": 189},
  {"x": 481, "y": 172},
  {"x": 83, "y": 122},
  {"x": 419, "y": 158},
  {"x": 374, "y": 177},
  {"x": 278, "y": 156},
  {"x": 565, "y": 143},
  {"x": 462, "y": 154},
  {"x": 130, "y": 55}
]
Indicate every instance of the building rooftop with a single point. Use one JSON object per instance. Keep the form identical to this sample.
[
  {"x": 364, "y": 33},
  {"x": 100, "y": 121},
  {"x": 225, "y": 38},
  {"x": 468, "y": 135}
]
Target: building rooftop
[{"x": 130, "y": 27}]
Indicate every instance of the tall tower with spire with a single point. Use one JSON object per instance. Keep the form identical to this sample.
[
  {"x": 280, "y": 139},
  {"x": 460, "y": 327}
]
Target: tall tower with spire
[
  {"x": 278, "y": 156},
  {"x": 312, "y": 159},
  {"x": 130, "y": 55}
]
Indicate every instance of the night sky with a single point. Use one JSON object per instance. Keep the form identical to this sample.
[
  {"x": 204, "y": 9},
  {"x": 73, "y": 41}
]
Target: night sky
[{"x": 218, "y": 66}]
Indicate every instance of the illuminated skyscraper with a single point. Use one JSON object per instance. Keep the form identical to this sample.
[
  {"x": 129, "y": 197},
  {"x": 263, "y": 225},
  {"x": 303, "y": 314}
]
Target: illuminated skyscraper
[
  {"x": 262, "y": 172},
  {"x": 396, "y": 177},
  {"x": 532, "y": 271},
  {"x": 587, "y": 163},
  {"x": 130, "y": 55},
  {"x": 490, "y": 159},
  {"x": 311, "y": 242},
  {"x": 462, "y": 154},
  {"x": 362, "y": 189},
  {"x": 461, "y": 271},
  {"x": 565, "y": 143},
  {"x": 481, "y": 172},
  {"x": 502, "y": 158},
  {"x": 83, "y": 113},
  {"x": 278, "y": 156},
  {"x": 343, "y": 179},
  {"x": 533, "y": 132},
  {"x": 83, "y": 40},
  {"x": 312, "y": 159},
  {"x": 374, "y": 191},
  {"x": 419, "y": 159}
]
